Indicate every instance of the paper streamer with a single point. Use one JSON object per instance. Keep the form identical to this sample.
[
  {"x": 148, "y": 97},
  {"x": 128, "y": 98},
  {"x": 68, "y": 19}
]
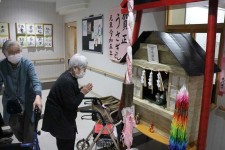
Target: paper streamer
[{"x": 130, "y": 23}]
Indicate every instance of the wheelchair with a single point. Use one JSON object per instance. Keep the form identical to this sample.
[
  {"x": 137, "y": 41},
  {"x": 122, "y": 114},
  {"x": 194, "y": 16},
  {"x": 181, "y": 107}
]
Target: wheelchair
[
  {"x": 26, "y": 146},
  {"x": 103, "y": 133}
]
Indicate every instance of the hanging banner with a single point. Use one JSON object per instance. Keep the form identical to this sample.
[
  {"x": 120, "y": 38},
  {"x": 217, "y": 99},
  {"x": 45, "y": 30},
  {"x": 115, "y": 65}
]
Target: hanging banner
[
  {"x": 117, "y": 35},
  {"x": 222, "y": 75}
]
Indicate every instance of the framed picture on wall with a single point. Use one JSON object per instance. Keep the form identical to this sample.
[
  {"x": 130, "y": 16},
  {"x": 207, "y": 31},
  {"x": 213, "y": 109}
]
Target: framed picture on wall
[
  {"x": 31, "y": 41},
  {"x": 4, "y": 32},
  {"x": 20, "y": 28},
  {"x": 4, "y": 29},
  {"x": 48, "y": 41},
  {"x": 39, "y": 41},
  {"x": 30, "y": 30},
  {"x": 47, "y": 29},
  {"x": 39, "y": 29},
  {"x": 22, "y": 41},
  {"x": 3, "y": 39}
]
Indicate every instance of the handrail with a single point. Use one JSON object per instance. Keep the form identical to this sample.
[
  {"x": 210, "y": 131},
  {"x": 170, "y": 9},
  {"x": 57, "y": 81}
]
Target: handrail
[
  {"x": 50, "y": 59},
  {"x": 48, "y": 78},
  {"x": 105, "y": 73}
]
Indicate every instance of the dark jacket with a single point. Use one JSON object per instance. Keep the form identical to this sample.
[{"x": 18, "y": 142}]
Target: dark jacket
[{"x": 61, "y": 107}]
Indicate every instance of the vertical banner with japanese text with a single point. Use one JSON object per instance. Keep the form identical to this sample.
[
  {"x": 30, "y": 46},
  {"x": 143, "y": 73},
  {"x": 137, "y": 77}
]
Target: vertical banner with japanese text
[
  {"x": 222, "y": 75},
  {"x": 117, "y": 35}
]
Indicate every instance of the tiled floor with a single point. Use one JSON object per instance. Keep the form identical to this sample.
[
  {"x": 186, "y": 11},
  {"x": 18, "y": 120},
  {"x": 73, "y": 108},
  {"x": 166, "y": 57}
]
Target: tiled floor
[{"x": 47, "y": 142}]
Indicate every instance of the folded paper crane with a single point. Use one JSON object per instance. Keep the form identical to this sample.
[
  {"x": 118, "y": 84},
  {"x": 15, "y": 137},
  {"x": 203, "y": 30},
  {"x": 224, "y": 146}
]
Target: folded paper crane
[{"x": 178, "y": 132}]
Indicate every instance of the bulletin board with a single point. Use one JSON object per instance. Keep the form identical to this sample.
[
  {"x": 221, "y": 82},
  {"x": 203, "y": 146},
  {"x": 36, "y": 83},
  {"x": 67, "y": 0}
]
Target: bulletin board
[{"x": 92, "y": 33}]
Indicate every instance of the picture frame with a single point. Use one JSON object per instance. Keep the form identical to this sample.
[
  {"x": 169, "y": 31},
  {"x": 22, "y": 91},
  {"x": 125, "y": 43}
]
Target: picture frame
[
  {"x": 48, "y": 41},
  {"x": 30, "y": 29},
  {"x": 21, "y": 28},
  {"x": 39, "y": 41},
  {"x": 3, "y": 39},
  {"x": 48, "y": 29},
  {"x": 4, "y": 33},
  {"x": 31, "y": 41},
  {"x": 4, "y": 29},
  {"x": 22, "y": 40},
  {"x": 39, "y": 29}
]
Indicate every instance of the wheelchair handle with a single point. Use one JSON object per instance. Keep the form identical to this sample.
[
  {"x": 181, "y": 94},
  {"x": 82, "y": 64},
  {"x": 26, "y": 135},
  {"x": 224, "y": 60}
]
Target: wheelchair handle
[
  {"x": 94, "y": 111},
  {"x": 84, "y": 117},
  {"x": 37, "y": 116},
  {"x": 87, "y": 102},
  {"x": 94, "y": 100}
]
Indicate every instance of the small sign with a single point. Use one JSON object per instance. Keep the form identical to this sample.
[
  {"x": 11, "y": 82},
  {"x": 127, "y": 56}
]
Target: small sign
[{"x": 152, "y": 53}]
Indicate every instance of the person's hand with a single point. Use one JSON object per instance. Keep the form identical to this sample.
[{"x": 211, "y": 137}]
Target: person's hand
[
  {"x": 86, "y": 88},
  {"x": 37, "y": 102}
]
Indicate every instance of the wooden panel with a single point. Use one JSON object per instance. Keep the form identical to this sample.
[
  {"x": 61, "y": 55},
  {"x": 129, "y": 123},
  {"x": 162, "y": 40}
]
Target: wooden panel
[
  {"x": 155, "y": 136},
  {"x": 192, "y": 28},
  {"x": 161, "y": 123},
  {"x": 153, "y": 107},
  {"x": 153, "y": 38},
  {"x": 167, "y": 58},
  {"x": 161, "y": 47},
  {"x": 159, "y": 67},
  {"x": 145, "y": 130},
  {"x": 141, "y": 54}
]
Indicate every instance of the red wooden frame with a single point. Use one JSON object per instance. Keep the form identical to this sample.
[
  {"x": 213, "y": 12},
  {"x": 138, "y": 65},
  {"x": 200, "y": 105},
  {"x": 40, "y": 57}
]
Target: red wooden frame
[
  {"x": 209, "y": 60},
  {"x": 159, "y": 3}
]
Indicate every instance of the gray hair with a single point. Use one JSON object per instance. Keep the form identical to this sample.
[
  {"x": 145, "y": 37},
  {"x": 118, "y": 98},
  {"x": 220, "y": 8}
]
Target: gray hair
[
  {"x": 8, "y": 44},
  {"x": 78, "y": 60}
]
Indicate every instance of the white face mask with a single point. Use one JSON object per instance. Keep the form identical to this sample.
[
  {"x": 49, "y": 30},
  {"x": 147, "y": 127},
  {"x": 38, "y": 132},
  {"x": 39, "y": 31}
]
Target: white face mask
[
  {"x": 14, "y": 59},
  {"x": 81, "y": 75}
]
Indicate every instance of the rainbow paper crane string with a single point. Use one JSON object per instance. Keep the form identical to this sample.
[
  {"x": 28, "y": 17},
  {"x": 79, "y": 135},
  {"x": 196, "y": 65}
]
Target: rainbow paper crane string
[{"x": 178, "y": 133}]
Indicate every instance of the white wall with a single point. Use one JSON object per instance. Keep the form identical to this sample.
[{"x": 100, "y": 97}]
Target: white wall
[
  {"x": 20, "y": 11},
  {"x": 103, "y": 85}
]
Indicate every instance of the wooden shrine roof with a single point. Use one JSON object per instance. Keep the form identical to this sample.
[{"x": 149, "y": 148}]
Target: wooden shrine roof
[{"x": 186, "y": 50}]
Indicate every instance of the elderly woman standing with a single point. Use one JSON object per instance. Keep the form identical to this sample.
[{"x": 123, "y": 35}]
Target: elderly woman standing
[
  {"x": 63, "y": 101},
  {"x": 21, "y": 85}
]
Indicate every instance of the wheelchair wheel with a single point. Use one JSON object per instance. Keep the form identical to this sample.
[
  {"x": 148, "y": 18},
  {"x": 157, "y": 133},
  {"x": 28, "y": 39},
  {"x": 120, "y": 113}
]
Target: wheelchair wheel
[{"x": 82, "y": 145}]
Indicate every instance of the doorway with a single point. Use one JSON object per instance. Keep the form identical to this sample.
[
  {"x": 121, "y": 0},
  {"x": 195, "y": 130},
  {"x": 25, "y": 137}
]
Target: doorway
[{"x": 71, "y": 40}]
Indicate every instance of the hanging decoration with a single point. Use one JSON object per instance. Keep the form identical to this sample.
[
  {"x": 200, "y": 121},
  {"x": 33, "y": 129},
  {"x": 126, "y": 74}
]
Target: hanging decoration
[
  {"x": 143, "y": 78},
  {"x": 129, "y": 124},
  {"x": 178, "y": 132},
  {"x": 160, "y": 82},
  {"x": 130, "y": 27},
  {"x": 128, "y": 110},
  {"x": 150, "y": 81}
]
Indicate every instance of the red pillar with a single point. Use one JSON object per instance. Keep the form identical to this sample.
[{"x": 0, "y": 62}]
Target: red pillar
[
  {"x": 208, "y": 76},
  {"x": 137, "y": 26}
]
